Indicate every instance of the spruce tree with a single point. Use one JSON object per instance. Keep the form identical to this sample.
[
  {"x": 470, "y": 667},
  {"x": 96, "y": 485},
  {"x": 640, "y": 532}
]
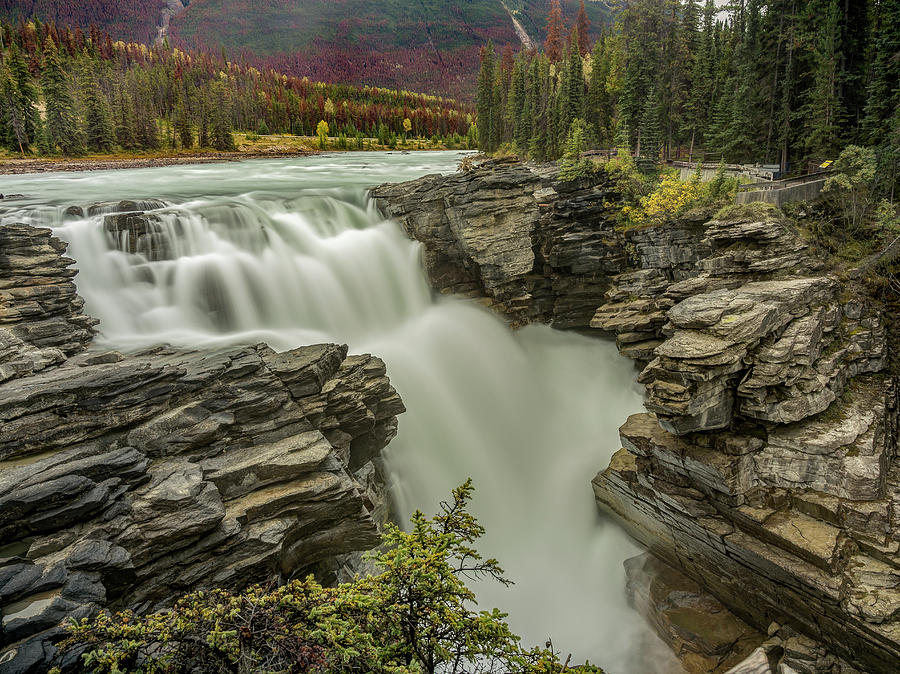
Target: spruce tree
[
  {"x": 822, "y": 111},
  {"x": 883, "y": 91},
  {"x": 222, "y": 138},
  {"x": 484, "y": 100},
  {"x": 650, "y": 142},
  {"x": 62, "y": 126},
  {"x": 124, "y": 123},
  {"x": 12, "y": 126},
  {"x": 183, "y": 126},
  {"x": 27, "y": 93},
  {"x": 98, "y": 124}
]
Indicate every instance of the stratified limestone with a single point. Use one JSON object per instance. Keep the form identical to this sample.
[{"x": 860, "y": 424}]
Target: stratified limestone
[
  {"x": 538, "y": 249},
  {"x": 767, "y": 470},
  {"x": 126, "y": 480}
]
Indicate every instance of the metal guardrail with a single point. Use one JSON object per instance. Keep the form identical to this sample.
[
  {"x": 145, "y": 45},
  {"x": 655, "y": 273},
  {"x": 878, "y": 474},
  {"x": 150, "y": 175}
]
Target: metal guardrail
[{"x": 785, "y": 182}]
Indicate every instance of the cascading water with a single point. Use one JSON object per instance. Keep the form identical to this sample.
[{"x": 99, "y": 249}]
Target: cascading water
[{"x": 291, "y": 252}]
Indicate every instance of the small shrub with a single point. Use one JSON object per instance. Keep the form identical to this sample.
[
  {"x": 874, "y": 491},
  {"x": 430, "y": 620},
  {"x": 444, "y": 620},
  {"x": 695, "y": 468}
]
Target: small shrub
[
  {"x": 851, "y": 192},
  {"x": 416, "y": 616},
  {"x": 572, "y": 165}
]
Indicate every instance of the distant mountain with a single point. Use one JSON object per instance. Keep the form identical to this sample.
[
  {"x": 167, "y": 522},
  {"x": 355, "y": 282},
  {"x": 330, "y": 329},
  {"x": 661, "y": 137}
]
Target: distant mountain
[
  {"x": 422, "y": 45},
  {"x": 128, "y": 20}
]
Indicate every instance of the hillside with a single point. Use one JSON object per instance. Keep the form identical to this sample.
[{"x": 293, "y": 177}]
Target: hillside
[
  {"x": 131, "y": 21},
  {"x": 423, "y": 45},
  {"x": 418, "y": 45}
]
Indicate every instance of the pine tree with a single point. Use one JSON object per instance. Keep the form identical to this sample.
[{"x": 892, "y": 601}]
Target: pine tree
[
  {"x": 183, "y": 126},
  {"x": 27, "y": 93},
  {"x": 62, "y": 123},
  {"x": 573, "y": 103},
  {"x": 222, "y": 138},
  {"x": 124, "y": 123},
  {"x": 883, "y": 92},
  {"x": 822, "y": 111},
  {"x": 98, "y": 125},
  {"x": 553, "y": 45},
  {"x": 650, "y": 128},
  {"x": 484, "y": 101},
  {"x": 599, "y": 111},
  {"x": 12, "y": 126}
]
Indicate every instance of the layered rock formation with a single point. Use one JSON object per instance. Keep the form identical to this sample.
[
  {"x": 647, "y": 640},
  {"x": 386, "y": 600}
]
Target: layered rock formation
[
  {"x": 764, "y": 470},
  {"x": 126, "y": 480},
  {"x": 536, "y": 249}
]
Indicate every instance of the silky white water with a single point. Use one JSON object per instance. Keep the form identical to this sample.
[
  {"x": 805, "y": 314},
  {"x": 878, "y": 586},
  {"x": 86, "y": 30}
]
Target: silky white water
[{"x": 292, "y": 252}]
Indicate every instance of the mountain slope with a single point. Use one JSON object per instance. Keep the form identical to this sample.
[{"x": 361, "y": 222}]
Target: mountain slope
[
  {"x": 421, "y": 45},
  {"x": 424, "y": 45},
  {"x": 131, "y": 21}
]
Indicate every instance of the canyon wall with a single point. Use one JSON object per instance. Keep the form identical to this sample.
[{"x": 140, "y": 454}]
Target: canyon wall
[
  {"x": 764, "y": 467},
  {"x": 128, "y": 479}
]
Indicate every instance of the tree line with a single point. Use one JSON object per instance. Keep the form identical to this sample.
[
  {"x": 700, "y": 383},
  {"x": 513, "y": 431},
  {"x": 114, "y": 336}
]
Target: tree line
[
  {"x": 67, "y": 92},
  {"x": 781, "y": 82}
]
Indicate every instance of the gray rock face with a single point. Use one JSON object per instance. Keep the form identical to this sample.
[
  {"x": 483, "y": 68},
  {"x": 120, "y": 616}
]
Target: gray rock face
[
  {"x": 537, "y": 249},
  {"x": 766, "y": 471},
  {"x": 126, "y": 480},
  {"x": 40, "y": 311}
]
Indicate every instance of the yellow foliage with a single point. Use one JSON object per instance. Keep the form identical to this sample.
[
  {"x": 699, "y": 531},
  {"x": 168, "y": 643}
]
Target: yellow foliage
[{"x": 671, "y": 197}]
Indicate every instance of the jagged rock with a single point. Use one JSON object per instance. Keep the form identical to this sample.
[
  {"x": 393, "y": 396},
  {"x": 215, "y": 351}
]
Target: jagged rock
[
  {"x": 139, "y": 233},
  {"x": 538, "y": 249},
  {"x": 705, "y": 636},
  {"x": 767, "y": 473},
  {"x": 40, "y": 311},
  {"x": 128, "y": 479}
]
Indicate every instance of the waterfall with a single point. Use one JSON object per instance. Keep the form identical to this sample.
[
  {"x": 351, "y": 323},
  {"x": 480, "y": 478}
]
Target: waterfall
[{"x": 291, "y": 252}]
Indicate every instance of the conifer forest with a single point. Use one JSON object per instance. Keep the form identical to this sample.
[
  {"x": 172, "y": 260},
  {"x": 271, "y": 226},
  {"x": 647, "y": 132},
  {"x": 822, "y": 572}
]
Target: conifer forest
[{"x": 778, "y": 82}]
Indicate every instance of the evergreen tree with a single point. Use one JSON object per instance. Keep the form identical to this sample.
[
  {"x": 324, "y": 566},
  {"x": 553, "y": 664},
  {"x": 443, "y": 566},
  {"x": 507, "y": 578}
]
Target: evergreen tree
[
  {"x": 12, "y": 126},
  {"x": 26, "y": 92},
  {"x": 484, "y": 101},
  {"x": 883, "y": 92},
  {"x": 98, "y": 124},
  {"x": 573, "y": 103},
  {"x": 649, "y": 137},
  {"x": 599, "y": 112},
  {"x": 124, "y": 123},
  {"x": 62, "y": 127},
  {"x": 183, "y": 126},
  {"x": 822, "y": 111},
  {"x": 222, "y": 138}
]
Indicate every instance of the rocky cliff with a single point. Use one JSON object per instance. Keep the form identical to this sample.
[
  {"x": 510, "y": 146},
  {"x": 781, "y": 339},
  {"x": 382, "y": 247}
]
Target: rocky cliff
[
  {"x": 126, "y": 479},
  {"x": 764, "y": 468}
]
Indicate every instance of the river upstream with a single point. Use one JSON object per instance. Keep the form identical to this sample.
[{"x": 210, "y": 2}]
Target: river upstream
[{"x": 292, "y": 252}]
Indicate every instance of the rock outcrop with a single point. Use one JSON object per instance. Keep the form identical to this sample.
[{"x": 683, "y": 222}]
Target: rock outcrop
[
  {"x": 535, "y": 248},
  {"x": 764, "y": 469},
  {"x": 126, "y": 480}
]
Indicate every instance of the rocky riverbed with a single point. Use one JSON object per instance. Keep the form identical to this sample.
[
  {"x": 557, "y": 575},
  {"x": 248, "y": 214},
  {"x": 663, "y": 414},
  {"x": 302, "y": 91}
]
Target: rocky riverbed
[
  {"x": 126, "y": 480},
  {"x": 763, "y": 472}
]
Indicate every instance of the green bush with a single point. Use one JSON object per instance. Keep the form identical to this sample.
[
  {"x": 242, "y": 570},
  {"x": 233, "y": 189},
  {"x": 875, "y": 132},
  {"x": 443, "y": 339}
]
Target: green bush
[{"x": 414, "y": 616}]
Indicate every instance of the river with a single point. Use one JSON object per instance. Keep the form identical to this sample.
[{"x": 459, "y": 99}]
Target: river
[{"x": 292, "y": 252}]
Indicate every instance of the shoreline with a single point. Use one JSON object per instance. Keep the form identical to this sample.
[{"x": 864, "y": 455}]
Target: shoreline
[
  {"x": 37, "y": 165},
  {"x": 16, "y": 166}
]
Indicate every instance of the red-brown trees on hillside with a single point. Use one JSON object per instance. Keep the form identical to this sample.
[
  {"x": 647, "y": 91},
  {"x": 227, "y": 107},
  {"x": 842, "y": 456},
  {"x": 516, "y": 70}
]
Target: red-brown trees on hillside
[{"x": 553, "y": 45}]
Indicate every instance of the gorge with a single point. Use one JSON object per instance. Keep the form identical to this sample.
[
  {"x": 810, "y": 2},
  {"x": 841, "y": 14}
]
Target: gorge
[
  {"x": 292, "y": 253},
  {"x": 762, "y": 472}
]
